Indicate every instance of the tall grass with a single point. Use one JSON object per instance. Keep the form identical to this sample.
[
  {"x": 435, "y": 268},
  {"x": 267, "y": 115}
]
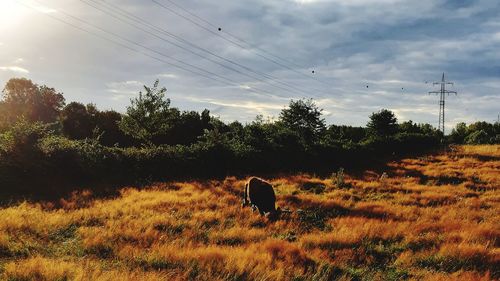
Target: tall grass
[{"x": 431, "y": 218}]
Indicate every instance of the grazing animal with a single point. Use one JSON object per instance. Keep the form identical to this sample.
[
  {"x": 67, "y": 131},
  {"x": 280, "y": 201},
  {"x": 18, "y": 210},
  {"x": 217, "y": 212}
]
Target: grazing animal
[{"x": 260, "y": 194}]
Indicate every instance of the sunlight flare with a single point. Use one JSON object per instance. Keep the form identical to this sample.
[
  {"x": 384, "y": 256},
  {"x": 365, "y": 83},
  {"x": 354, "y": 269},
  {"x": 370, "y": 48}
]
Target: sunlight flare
[{"x": 10, "y": 13}]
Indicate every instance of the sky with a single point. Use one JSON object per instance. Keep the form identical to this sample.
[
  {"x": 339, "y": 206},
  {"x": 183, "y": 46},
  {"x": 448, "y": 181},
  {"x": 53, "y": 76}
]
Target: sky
[{"x": 353, "y": 57}]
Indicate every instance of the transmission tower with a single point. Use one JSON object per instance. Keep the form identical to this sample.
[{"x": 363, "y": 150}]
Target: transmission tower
[{"x": 442, "y": 94}]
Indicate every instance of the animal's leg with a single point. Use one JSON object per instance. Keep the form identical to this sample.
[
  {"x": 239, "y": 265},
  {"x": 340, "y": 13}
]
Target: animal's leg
[{"x": 254, "y": 207}]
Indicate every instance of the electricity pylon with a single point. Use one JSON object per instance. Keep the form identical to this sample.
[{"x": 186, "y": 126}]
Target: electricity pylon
[{"x": 442, "y": 94}]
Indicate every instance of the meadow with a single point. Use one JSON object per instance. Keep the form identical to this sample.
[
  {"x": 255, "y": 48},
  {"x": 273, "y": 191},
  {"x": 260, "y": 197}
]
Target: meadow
[{"x": 434, "y": 217}]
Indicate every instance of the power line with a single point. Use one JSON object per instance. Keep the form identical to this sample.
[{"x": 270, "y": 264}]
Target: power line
[
  {"x": 178, "y": 45},
  {"x": 127, "y": 40},
  {"x": 117, "y": 10},
  {"x": 271, "y": 77},
  {"x": 442, "y": 92},
  {"x": 228, "y": 33},
  {"x": 218, "y": 79},
  {"x": 227, "y": 81},
  {"x": 232, "y": 41}
]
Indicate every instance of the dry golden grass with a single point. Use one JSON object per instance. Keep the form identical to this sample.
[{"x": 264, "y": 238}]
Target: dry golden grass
[{"x": 432, "y": 218}]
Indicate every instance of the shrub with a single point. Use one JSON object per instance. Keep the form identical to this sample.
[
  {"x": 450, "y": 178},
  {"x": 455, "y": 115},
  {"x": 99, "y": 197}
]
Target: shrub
[
  {"x": 478, "y": 137},
  {"x": 20, "y": 156}
]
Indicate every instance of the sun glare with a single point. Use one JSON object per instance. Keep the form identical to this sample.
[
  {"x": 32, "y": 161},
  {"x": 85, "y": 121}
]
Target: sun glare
[{"x": 10, "y": 13}]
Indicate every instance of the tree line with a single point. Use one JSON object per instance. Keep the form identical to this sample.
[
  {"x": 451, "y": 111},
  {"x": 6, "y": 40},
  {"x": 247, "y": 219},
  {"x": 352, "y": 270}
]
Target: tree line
[{"x": 45, "y": 141}]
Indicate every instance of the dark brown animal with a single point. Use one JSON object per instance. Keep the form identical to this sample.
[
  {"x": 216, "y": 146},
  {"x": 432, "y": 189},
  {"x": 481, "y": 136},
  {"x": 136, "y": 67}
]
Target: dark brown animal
[{"x": 260, "y": 194}]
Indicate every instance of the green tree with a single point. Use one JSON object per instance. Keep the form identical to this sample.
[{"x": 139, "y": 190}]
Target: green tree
[
  {"x": 459, "y": 133},
  {"x": 149, "y": 117},
  {"x": 304, "y": 117},
  {"x": 478, "y": 137},
  {"x": 4, "y": 118},
  {"x": 77, "y": 122},
  {"x": 24, "y": 99},
  {"x": 107, "y": 122},
  {"x": 429, "y": 130},
  {"x": 409, "y": 127},
  {"x": 382, "y": 124},
  {"x": 344, "y": 134},
  {"x": 488, "y": 128}
]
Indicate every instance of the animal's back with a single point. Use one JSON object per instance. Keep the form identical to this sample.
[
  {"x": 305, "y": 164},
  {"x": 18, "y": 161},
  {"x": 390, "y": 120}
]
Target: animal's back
[{"x": 261, "y": 194}]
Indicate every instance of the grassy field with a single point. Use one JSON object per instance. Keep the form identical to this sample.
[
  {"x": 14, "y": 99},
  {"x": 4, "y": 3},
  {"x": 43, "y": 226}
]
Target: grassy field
[{"x": 428, "y": 218}]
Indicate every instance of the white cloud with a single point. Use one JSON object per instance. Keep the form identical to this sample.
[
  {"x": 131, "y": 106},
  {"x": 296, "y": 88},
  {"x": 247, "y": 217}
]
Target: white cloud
[
  {"x": 169, "y": 76},
  {"x": 43, "y": 9},
  {"x": 124, "y": 89},
  {"x": 15, "y": 69},
  {"x": 307, "y": 1},
  {"x": 260, "y": 106},
  {"x": 349, "y": 2}
]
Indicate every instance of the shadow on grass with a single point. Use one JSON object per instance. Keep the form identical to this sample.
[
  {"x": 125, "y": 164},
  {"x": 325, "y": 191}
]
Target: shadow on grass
[{"x": 50, "y": 190}]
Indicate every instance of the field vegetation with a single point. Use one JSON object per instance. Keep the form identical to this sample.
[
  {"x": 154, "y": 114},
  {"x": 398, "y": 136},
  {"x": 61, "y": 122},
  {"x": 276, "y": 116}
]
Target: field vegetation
[{"x": 434, "y": 217}]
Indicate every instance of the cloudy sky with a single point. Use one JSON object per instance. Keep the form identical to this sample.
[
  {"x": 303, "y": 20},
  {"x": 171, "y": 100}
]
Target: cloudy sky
[{"x": 365, "y": 54}]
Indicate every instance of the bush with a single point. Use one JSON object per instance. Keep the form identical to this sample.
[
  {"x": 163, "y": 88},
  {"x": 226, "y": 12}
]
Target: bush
[
  {"x": 31, "y": 155},
  {"x": 475, "y": 133},
  {"x": 477, "y": 137},
  {"x": 20, "y": 156}
]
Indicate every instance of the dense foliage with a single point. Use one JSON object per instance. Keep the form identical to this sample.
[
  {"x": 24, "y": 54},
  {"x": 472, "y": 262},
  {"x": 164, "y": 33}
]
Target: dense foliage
[
  {"x": 21, "y": 97},
  {"x": 44, "y": 142},
  {"x": 476, "y": 133}
]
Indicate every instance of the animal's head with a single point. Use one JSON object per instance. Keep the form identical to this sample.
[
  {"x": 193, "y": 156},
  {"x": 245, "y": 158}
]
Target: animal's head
[{"x": 273, "y": 215}]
